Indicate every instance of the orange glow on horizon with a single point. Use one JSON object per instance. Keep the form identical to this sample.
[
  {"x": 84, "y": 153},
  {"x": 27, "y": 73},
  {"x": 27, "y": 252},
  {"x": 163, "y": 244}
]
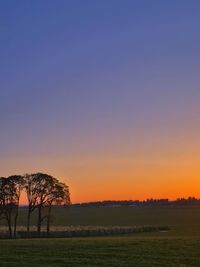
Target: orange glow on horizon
[
  {"x": 148, "y": 166},
  {"x": 133, "y": 182}
]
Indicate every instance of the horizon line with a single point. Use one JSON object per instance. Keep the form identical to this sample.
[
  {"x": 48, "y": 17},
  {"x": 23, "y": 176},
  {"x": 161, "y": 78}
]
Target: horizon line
[{"x": 132, "y": 200}]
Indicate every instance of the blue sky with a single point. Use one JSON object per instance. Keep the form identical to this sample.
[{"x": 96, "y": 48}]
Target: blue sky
[{"x": 87, "y": 78}]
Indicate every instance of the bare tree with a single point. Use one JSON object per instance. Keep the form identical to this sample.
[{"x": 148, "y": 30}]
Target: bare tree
[
  {"x": 2, "y": 200},
  {"x": 29, "y": 186},
  {"x": 10, "y": 189},
  {"x": 43, "y": 191},
  {"x": 34, "y": 186},
  {"x": 59, "y": 195},
  {"x": 16, "y": 184}
]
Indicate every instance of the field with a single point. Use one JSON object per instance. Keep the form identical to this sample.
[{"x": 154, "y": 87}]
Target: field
[
  {"x": 178, "y": 247},
  {"x": 106, "y": 251}
]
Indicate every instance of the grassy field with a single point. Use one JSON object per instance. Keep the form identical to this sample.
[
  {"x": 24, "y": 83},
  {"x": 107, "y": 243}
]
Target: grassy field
[
  {"x": 101, "y": 251},
  {"x": 183, "y": 220},
  {"x": 179, "y": 247}
]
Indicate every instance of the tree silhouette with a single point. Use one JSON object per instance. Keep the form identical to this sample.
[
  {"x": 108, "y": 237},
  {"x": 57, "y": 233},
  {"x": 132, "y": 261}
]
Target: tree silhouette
[
  {"x": 10, "y": 190},
  {"x": 59, "y": 195},
  {"x": 43, "y": 191},
  {"x": 31, "y": 188},
  {"x": 2, "y": 197}
]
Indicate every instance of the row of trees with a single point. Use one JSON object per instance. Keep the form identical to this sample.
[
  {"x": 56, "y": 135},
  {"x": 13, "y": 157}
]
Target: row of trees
[
  {"x": 42, "y": 191},
  {"x": 147, "y": 202}
]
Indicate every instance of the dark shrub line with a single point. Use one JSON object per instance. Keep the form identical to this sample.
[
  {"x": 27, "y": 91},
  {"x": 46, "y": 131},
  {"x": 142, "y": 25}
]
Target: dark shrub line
[{"x": 89, "y": 232}]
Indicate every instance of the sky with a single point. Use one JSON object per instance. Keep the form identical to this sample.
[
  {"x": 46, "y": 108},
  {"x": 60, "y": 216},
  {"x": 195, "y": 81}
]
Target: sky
[{"x": 103, "y": 95}]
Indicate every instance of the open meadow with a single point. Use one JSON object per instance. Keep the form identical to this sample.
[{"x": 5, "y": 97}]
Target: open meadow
[
  {"x": 182, "y": 220},
  {"x": 178, "y": 247}
]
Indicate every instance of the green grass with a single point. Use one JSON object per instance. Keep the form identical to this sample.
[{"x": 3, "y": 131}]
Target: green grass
[
  {"x": 107, "y": 251},
  {"x": 179, "y": 247}
]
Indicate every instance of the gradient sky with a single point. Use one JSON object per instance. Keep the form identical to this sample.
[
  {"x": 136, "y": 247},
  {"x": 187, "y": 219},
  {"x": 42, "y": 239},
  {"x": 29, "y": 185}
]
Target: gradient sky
[{"x": 104, "y": 95}]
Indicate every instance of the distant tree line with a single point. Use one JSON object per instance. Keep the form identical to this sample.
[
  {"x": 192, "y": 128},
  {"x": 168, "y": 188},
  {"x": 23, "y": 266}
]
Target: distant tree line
[
  {"x": 42, "y": 191},
  {"x": 147, "y": 202}
]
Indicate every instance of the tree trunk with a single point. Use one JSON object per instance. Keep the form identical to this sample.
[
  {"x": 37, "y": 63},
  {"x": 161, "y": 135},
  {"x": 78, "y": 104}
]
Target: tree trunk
[
  {"x": 28, "y": 221},
  {"x": 48, "y": 219},
  {"x": 15, "y": 224},
  {"x": 9, "y": 226},
  {"x": 39, "y": 220},
  {"x": 10, "y": 230}
]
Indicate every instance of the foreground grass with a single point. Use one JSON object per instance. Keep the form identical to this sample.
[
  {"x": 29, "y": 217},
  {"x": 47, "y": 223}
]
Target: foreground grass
[{"x": 148, "y": 251}]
